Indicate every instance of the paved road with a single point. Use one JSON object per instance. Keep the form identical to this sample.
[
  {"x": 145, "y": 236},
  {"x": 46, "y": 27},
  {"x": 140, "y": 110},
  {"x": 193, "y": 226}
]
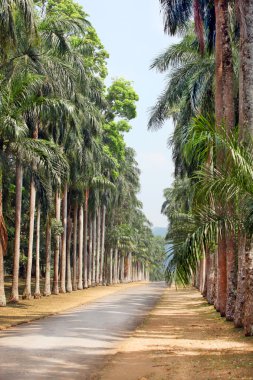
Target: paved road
[{"x": 75, "y": 344}]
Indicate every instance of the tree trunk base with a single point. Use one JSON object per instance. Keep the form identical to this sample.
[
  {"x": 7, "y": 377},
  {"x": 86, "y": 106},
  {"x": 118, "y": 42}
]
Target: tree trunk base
[
  {"x": 2, "y": 301},
  {"x": 14, "y": 299},
  {"x": 37, "y": 296},
  {"x": 26, "y": 296}
]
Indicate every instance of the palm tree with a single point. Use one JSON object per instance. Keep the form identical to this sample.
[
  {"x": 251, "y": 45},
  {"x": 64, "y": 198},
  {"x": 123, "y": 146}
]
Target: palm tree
[{"x": 188, "y": 93}]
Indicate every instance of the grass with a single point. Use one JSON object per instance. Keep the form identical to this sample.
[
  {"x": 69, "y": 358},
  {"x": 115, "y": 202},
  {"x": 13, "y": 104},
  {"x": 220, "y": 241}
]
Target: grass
[{"x": 29, "y": 310}]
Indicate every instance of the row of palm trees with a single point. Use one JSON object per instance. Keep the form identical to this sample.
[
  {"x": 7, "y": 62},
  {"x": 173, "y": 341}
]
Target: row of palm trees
[
  {"x": 68, "y": 182},
  {"x": 209, "y": 96}
]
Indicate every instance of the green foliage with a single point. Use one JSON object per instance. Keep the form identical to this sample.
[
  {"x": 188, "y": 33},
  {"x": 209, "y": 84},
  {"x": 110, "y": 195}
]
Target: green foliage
[
  {"x": 122, "y": 99},
  {"x": 58, "y": 119}
]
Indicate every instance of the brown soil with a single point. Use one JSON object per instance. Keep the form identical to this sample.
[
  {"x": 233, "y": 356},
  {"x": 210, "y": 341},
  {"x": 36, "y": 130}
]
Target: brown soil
[
  {"x": 29, "y": 310},
  {"x": 183, "y": 338}
]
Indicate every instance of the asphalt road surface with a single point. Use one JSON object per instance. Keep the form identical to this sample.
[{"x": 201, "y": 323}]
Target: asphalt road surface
[{"x": 77, "y": 343}]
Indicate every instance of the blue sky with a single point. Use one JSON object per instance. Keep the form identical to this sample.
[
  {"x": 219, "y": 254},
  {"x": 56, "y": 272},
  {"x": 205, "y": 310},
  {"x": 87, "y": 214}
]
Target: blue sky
[{"x": 132, "y": 33}]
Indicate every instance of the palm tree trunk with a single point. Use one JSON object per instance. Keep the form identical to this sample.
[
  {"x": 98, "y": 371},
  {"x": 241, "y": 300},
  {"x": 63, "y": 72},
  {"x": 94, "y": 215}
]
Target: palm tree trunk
[
  {"x": 231, "y": 276},
  {"x": 15, "y": 278},
  {"x": 115, "y": 266},
  {"x": 248, "y": 305},
  {"x": 98, "y": 245},
  {"x": 93, "y": 280},
  {"x": 246, "y": 64},
  {"x": 122, "y": 269},
  {"x": 218, "y": 64},
  {"x": 69, "y": 234},
  {"x": 47, "y": 289},
  {"x": 80, "y": 250},
  {"x": 110, "y": 266},
  {"x": 90, "y": 251},
  {"x": 228, "y": 70},
  {"x": 201, "y": 275},
  {"x": 246, "y": 30},
  {"x": 219, "y": 108},
  {"x": 118, "y": 266},
  {"x": 64, "y": 240},
  {"x": 210, "y": 277},
  {"x": 3, "y": 241},
  {"x": 85, "y": 242},
  {"x": 27, "y": 294},
  {"x": 129, "y": 269},
  {"x": 241, "y": 282},
  {"x": 37, "y": 273},
  {"x": 57, "y": 243},
  {"x": 102, "y": 245},
  {"x": 222, "y": 275},
  {"x": 2, "y": 291},
  {"x": 75, "y": 246}
]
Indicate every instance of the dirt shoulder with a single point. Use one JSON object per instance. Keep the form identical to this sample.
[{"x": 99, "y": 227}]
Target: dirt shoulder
[
  {"x": 183, "y": 338},
  {"x": 30, "y": 310}
]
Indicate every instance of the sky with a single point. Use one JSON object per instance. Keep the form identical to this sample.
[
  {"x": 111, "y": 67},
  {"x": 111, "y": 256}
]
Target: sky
[{"x": 132, "y": 33}]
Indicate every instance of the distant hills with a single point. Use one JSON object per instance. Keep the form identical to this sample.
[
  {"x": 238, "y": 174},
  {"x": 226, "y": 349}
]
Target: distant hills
[{"x": 159, "y": 231}]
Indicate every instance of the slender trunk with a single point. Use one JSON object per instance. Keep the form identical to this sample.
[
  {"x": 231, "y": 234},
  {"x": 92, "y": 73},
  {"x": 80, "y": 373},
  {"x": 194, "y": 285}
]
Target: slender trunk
[
  {"x": 215, "y": 289},
  {"x": 222, "y": 275},
  {"x": 98, "y": 244},
  {"x": 248, "y": 305},
  {"x": 80, "y": 250},
  {"x": 228, "y": 70},
  {"x": 85, "y": 242},
  {"x": 241, "y": 282},
  {"x": 2, "y": 292},
  {"x": 129, "y": 276},
  {"x": 15, "y": 279},
  {"x": 210, "y": 277},
  {"x": 27, "y": 294},
  {"x": 122, "y": 269},
  {"x": 242, "y": 127},
  {"x": 220, "y": 303},
  {"x": 102, "y": 245},
  {"x": 246, "y": 30},
  {"x": 133, "y": 271},
  {"x": 94, "y": 251},
  {"x": 246, "y": 118},
  {"x": 110, "y": 266},
  {"x": 115, "y": 267},
  {"x": 203, "y": 275},
  {"x": 75, "y": 247},
  {"x": 90, "y": 252},
  {"x": 47, "y": 289},
  {"x": 207, "y": 270},
  {"x": 229, "y": 118},
  {"x": 118, "y": 266},
  {"x": 37, "y": 293},
  {"x": 57, "y": 243},
  {"x": 69, "y": 233},
  {"x": 3, "y": 241},
  {"x": 218, "y": 65},
  {"x": 231, "y": 276},
  {"x": 64, "y": 240}
]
